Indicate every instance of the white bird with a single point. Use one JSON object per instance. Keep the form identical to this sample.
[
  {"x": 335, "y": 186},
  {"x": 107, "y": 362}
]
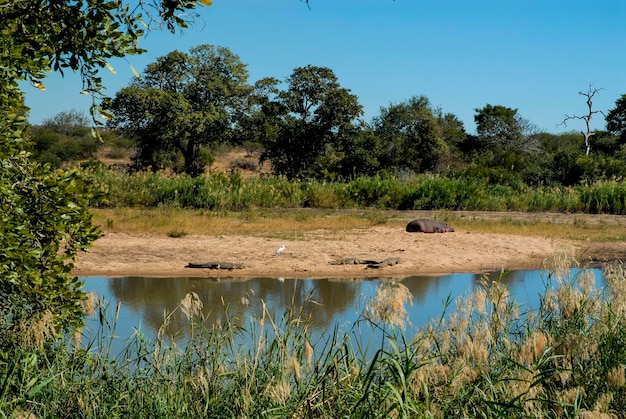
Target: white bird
[
  {"x": 281, "y": 279},
  {"x": 281, "y": 249}
]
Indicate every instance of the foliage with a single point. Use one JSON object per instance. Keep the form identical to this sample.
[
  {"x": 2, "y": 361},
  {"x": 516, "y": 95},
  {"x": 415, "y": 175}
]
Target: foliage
[
  {"x": 44, "y": 224},
  {"x": 411, "y": 137},
  {"x": 478, "y": 189},
  {"x": 571, "y": 169},
  {"x": 64, "y": 138},
  {"x": 604, "y": 197},
  {"x": 616, "y": 119},
  {"x": 308, "y": 128},
  {"x": 44, "y": 217},
  {"x": 485, "y": 356},
  {"x": 606, "y": 144},
  {"x": 502, "y": 129},
  {"x": 58, "y": 35},
  {"x": 451, "y": 128},
  {"x": 182, "y": 105},
  {"x": 362, "y": 150},
  {"x": 70, "y": 123}
]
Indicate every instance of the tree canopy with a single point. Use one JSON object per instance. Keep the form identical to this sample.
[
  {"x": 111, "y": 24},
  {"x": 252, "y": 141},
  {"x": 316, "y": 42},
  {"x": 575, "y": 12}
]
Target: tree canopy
[
  {"x": 616, "y": 119},
  {"x": 503, "y": 129},
  {"x": 306, "y": 127},
  {"x": 411, "y": 136},
  {"x": 183, "y": 104}
]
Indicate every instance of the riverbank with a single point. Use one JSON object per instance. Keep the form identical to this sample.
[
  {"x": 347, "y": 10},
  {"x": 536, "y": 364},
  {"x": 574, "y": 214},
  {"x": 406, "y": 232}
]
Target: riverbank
[
  {"x": 313, "y": 255},
  {"x": 141, "y": 243}
]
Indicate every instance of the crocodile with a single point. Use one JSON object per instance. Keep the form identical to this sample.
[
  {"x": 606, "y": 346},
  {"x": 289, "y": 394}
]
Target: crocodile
[
  {"x": 218, "y": 265},
  {"x": 386, "y": 262},
  {"x": 369, "y": 263}
]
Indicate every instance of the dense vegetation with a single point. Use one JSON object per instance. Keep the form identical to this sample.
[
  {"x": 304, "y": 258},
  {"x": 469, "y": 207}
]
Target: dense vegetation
[
  {"x": 233, "y": 192},
  {"x": 308, "y": 126},
  {"x": 564, "y": 360},
  {"x": 186, "y": 108},
  {"x": 44, "y": 218},
  {"x": 488, "y": 358},
  {"x": 411, "y": 157}
]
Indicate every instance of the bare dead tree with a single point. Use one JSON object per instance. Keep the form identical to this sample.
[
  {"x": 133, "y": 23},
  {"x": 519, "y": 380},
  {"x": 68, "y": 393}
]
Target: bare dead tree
[{"x": 591, "y": 92}]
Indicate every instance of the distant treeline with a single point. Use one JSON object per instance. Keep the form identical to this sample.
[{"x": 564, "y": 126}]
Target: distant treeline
[{"x": 308, "y": 127}]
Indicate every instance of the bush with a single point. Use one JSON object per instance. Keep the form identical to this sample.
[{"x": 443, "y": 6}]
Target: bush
[
  {"x": 50, "y": 146},
  {"x": 603, "y": 197},
  {"x": 45, "y": 223}
]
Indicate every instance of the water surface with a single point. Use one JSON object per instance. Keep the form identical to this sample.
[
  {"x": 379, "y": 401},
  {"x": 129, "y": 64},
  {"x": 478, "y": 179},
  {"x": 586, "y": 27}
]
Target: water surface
[{"x": 144, "y": 302}]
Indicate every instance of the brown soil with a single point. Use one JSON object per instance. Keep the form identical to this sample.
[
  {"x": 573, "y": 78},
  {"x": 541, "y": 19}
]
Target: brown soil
[{"x": 310, "y": 256}]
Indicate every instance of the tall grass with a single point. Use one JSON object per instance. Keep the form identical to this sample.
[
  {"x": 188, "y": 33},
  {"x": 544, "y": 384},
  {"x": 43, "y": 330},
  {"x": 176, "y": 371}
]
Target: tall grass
[
  {"x": 221, "y": 191},
  {"x": 604, "y": 197},
  {"x": 484, "y": 357}
]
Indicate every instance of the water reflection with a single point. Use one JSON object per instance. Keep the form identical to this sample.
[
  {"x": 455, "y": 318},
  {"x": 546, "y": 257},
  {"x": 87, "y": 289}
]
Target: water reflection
[
  {"x": 151, "y": 297},
  {"x": 144, "y": 301}
]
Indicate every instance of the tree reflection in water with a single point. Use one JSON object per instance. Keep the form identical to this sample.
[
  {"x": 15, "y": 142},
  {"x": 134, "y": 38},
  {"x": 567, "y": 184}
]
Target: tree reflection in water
[{"x": 145, "y": 301}]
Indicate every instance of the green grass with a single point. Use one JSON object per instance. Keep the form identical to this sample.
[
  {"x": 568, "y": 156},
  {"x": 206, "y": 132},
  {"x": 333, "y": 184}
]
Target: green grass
[
  {"x": 487, "y": 358},
  {"x": 232, "y": 192}
]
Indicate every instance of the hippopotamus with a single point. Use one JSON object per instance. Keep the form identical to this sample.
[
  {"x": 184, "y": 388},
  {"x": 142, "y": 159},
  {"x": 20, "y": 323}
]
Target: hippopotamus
[{"x": 428, "y": 226}]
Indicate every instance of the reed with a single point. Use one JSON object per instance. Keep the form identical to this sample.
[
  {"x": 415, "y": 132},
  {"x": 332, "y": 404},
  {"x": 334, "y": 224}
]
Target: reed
[
  {"x": 483, "y": 357},
  {"x": 604, "y": 197},
  {"x": 232, "y": 192}
]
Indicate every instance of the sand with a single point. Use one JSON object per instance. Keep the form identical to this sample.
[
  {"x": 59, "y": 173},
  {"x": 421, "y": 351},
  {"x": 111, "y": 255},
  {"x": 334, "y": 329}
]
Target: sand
[{"x": 119, "y": 254}]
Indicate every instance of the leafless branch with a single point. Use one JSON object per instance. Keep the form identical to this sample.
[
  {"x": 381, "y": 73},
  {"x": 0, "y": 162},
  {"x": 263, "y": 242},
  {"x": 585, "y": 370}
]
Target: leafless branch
[{"x": 591, "y": 92}]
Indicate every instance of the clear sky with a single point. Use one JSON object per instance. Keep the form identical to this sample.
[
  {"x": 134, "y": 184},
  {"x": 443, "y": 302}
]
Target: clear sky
[{"x": 531, "y": 55}]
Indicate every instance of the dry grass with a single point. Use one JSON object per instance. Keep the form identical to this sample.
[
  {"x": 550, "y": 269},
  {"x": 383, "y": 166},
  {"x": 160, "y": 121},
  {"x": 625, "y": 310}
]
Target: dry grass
[
  {"x": 577, "y": 230},
  {"x": 165, "y": 221},
  {"x": 291, "y": 223},
  {"x": 389, "y": 304},
  {"x": 599, "y": 238}
]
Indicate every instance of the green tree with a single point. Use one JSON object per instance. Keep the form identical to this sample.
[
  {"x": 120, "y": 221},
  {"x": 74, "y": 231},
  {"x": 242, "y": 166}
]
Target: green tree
[
  {"x": 451, "y": 128},
  {"x": 362, "y": 150},
  {"x": 44, "y": 219},
  {"x": 308, "y": 127},
  {"x": 502, "y": 129},
  {"x": 616, "y": 119},
  {"x": 182, "y": 105},
  {"x": 44, "y": 224},
  {"x": 452, "y": 132},
  {"x": 507, "y": 146},
  {"x": 260, "y": 123},
  {"x": 410, "y": 136},
  {"x": 64, "y": 138}
]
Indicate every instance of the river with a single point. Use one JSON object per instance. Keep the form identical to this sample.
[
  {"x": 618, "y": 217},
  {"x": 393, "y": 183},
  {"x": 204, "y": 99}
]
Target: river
[{"x": 145, "y": 302}]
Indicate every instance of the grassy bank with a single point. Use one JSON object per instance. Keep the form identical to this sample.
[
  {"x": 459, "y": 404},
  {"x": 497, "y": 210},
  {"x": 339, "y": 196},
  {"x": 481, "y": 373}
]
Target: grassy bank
[
  {"x": 176, "y": 222},
  {"x": 487, "y": 358},
  {"x": 421, "y": 192}
]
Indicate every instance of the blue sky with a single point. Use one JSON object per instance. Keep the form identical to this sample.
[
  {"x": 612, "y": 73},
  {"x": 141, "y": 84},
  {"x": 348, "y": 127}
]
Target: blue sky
[{"x": 531, "y": 55}]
